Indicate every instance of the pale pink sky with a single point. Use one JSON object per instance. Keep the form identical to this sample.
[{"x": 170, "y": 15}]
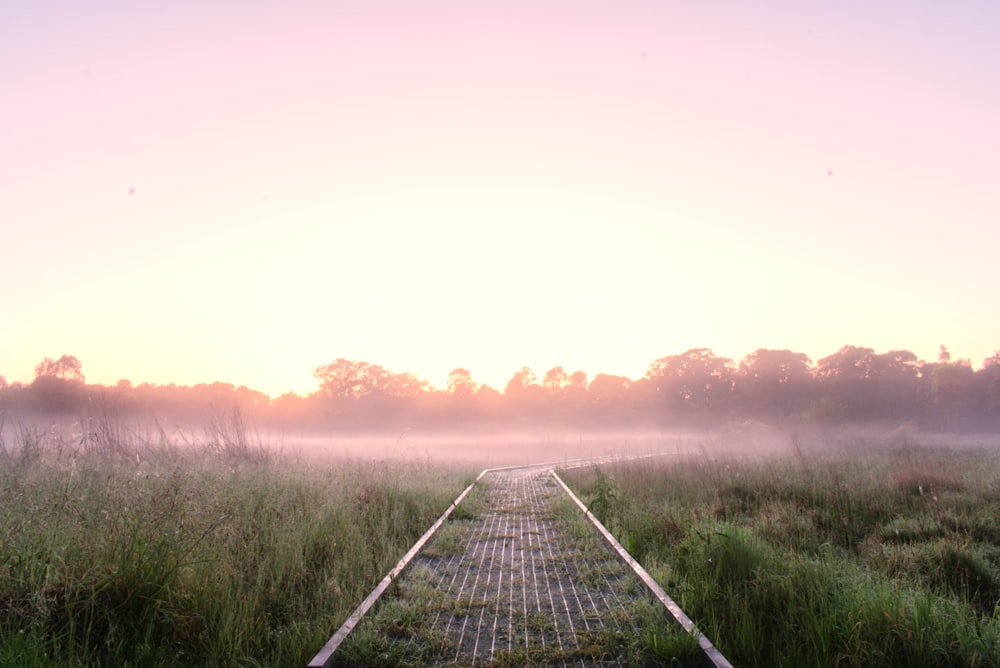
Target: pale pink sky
[{"x": 204, "y": 191}]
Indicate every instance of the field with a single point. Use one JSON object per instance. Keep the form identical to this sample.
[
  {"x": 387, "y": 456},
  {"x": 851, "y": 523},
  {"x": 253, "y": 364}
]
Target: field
[
  {"x": 163, "y": 555},
  {"x": 869, "y": 554},
  {"x": 218, "y": 551}
]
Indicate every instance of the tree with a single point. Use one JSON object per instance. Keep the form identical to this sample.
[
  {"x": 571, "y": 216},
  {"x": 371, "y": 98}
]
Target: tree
[
  {"x": 845, "y": 378},
  {"x": 521, "y": 382},
  {"x": 347, "y": 379},
  {"x": 366, "y": 394},
  {"x": 896, "y": 378},
  {"x": 952, "y": 386},
  {"x": 460, "y": 402},
  {"x": 774, "y": 381},
  {"x": 523, "y": 396},
  {"x": 66, "y": 368},
  {"x": 778, "y": 367},
  {"x": 59, "y": 384},
  {"x": 848, "y": 363},
  {"x": 460, "y": 383},
  {"x": 990, "y": 384},
  {"x": 555, "y": 379},
  {"x": 694, "y": 382},
  {"x": 873, "y": 385},
  {"x": 575, "y": 392},
  {"x": 608, "y": 397},
  {"x": 608, "y": 389},
  {"x": 402, "y": 386}
]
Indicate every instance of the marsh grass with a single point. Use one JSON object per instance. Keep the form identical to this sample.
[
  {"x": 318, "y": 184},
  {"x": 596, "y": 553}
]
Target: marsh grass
[
  {"x": 218, "y": 556},
  {"x": 399, "y": 633},
  {"x": 889, "y": 558},
  {"x": 450, "y": 539}
]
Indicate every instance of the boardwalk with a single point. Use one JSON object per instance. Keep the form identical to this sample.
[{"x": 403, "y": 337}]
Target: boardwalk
[{"x": 517, "y": 576}]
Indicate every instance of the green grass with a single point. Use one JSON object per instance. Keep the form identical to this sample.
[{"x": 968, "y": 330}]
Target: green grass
[
  {"x": 889, "y": 558},
  {"x": 200, "y": 558},
  {"x": 399, "y": 633}
]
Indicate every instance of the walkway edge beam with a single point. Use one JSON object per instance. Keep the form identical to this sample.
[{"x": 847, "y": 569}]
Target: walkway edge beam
[
  {"x": 712, "y": 653},
  {"x": 324, "y": 658}
]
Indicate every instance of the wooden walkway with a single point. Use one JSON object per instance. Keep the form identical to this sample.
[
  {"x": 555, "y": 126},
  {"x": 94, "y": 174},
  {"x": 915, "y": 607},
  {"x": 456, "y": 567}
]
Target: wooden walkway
[{"x": 516, "y": 576}]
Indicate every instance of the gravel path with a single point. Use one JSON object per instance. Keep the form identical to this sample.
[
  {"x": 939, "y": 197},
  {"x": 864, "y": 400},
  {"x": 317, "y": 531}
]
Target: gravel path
[{"x": 518, "y": 578}]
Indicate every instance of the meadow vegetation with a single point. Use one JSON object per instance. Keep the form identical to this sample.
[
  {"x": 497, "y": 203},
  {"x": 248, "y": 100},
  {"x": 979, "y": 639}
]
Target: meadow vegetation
[
  {"x": 887, "y": 556},
  {"x": 218, "y": 553}
]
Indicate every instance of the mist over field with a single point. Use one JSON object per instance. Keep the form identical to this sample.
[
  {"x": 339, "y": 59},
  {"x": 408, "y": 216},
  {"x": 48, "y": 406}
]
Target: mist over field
[
  {"x": 770, "y": 400},
  {"x": 234, "y": 437}
]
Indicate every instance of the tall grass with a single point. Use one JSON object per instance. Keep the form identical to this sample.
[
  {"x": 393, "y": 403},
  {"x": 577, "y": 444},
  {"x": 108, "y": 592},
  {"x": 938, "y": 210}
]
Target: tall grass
[
  {"x": 217, "y": 556},
  {"x": 889, "y": 558}
]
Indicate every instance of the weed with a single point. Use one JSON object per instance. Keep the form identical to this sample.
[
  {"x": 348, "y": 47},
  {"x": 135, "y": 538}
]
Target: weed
[
  {"x": 450, "y": 538},
  {"x": 474, "y": 504}
]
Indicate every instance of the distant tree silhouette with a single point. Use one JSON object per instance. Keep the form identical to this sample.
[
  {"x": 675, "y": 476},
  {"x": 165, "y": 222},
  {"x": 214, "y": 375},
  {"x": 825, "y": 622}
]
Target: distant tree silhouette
[
  {"x": 694, "y": 384},
  {"x": 363, "y": 394},
  {"x": 895, "y": 377},
  {"x": 608, "y": 399},
  {"x": 347, "y": 379},
  {"x": 848, "y": 363},
  {"x": 521, "y": 382},
  {"x": 555, "y": 379},
  {"x": 58, "y": 385},
  {"x": 775, "y": 382},
  {"x": 990, "y": 386},
  {"x": 845, "y": 378},
  {"x": 460, "y": 383},
  {"x": 695, "y": 387},
  {"x": 952, "y": 388},
  {"x": 523, "y": 396},
  {"x": 66, "y": 367}
]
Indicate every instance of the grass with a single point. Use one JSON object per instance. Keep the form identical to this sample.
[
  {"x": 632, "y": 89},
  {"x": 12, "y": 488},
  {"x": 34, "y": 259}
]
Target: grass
[
  {"x": 889, "y": 558},
  {"x": 399, "y": 633},
  {"x": 196, "y": 557}
]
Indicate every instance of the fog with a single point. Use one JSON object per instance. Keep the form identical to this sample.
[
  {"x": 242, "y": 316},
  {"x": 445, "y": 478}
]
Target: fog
[
  {"x": 125, "y": 438},
  {"x": 691, "y": 404},
  {"x": 499, "y": 449},
  {"x": 234, "y": 437}
]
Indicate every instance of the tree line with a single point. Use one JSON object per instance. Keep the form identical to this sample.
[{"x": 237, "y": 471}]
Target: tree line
[{"x": 696, "y": 388}]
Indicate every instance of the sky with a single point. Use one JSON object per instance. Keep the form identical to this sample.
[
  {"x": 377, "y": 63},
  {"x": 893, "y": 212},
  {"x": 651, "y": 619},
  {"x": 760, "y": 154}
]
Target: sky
[{"x": 242, "y": 191}]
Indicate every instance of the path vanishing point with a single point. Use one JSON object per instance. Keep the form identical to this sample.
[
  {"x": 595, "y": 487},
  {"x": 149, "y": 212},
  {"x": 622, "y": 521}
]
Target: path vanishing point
[{"x": 515, "y": 573}]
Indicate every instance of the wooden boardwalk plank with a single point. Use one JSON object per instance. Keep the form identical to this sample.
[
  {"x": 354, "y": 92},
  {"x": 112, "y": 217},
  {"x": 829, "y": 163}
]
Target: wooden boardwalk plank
[{"x": 528, "y": 581}]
